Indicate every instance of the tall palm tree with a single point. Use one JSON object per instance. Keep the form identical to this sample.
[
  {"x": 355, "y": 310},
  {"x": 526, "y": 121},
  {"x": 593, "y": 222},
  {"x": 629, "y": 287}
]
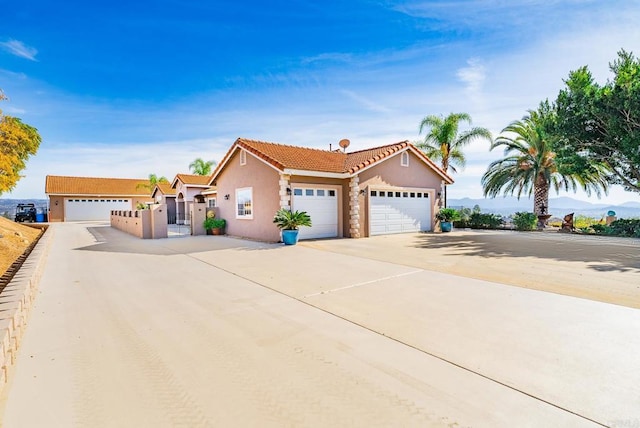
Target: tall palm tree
[
  {"x": 443, "y": 143},
  {"x": 530, "y": 164},
  {"x": 201, "y": 167}
]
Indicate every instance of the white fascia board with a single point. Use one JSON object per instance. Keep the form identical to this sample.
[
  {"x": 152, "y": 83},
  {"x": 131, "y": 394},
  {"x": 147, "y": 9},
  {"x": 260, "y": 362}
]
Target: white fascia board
[
  {"x": 307, "y": 173},
  {"x": 96, "y": 195}
]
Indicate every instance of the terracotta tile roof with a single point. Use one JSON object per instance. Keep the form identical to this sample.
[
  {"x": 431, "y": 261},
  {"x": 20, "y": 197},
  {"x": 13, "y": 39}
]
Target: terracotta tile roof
[
  {"x": 364, "y": 158},
  {"x": 61, "y": 185},
  {"x": 282, "y": 156},
  {"x": 306, "y": 159},
  {"x": 196, "y": 180},
  {"x": 165, "y": 188}
]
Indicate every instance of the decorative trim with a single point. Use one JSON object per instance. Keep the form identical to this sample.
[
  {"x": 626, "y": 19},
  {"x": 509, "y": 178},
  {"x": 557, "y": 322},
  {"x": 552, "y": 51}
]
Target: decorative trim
[{"x": 354, "y": 207}]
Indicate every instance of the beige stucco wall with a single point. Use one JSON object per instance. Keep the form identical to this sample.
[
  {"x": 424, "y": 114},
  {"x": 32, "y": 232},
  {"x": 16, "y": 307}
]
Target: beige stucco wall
[
  {"x": 198, "y": 213},
  {"x": 146, "y": 224},
  {"x": 56, "y": 208},
  {"x": 392, "y": 174},
  {"x": 263, "y": 179}
]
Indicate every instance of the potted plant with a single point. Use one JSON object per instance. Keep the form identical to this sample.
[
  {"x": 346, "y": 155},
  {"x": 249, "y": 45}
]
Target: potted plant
[
  {"x": 289, "y": 222},
  {"x": 214, "y": 226},
  {"x": 447, "y": 216}
]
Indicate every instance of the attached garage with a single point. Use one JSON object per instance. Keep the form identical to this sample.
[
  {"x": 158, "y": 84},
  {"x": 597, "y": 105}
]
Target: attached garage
[
  {"x": 322, "y": 205},
  {"x": 399, "y": 211},
  {"x": 92, "y": 209}
]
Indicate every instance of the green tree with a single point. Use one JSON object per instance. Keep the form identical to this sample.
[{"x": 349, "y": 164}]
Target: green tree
[
  {"x": 444, "y": 144},
  {"x": 202, "y": 167},
  {"x": 18, "y": 141},
  {"x": 530, "y": 164},
  {"x": 601, "y": 124},
  {"x": 153, "y": 180}
]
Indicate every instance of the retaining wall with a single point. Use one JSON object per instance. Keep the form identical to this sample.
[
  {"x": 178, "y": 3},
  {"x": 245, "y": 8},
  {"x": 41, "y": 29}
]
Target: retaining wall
[{"x": 16, "y": 300}]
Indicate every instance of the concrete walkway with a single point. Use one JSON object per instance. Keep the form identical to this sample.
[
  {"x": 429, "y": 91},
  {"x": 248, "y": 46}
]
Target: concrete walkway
[{"x": 214, "y": 331}]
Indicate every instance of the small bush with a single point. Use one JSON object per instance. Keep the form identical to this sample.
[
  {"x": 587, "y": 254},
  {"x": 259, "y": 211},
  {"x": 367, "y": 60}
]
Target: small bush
[
  {"x": 583, "y": 222},
  {"x": 625, "y": 227},
  {"x": 448, "y": 214},
  {"x": 525, "y": 221},
  {"x": 485, "y": 221}
]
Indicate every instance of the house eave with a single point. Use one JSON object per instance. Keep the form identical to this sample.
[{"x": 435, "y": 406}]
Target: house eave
[{"x": 310, "y": 173}]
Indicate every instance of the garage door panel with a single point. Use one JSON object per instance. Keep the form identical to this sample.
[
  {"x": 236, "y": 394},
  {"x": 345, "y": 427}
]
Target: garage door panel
[
  {"x": 92, "y": 209},
  {"x": 399, "y": 214},
  {"x": 322, "y": 208}
]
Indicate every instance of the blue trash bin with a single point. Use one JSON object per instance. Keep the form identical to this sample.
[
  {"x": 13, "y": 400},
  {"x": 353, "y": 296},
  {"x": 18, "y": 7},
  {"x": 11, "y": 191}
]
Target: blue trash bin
[{"x": 40, "y": 217}]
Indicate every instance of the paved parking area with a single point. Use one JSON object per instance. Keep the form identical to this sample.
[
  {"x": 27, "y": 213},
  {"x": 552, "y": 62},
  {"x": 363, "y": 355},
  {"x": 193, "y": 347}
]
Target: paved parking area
[
  {"x": 215, "y": 331},
  {"x": 605, "y": 269}
]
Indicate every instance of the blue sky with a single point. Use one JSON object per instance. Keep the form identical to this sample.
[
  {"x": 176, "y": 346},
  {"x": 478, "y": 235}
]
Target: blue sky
[{"x": 126, "y": 89}]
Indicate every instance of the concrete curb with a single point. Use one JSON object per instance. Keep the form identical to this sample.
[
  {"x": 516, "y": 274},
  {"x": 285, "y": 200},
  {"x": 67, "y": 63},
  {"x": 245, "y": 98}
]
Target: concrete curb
[{"x": 16, "y": 301}]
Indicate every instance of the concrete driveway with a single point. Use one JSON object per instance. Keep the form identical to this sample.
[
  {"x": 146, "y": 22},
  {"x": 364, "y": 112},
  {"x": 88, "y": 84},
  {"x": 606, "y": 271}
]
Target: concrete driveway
[{"x": 215, "y": 331}]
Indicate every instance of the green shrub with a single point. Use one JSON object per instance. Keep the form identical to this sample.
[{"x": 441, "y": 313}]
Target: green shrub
[
  {"x": 448, "y": 214},
  {"x": 485, "y": 221},
  {"x": 525, "y": 221},
  {"x": 583, "y": 222},
  {"x": 214, "y": 223},
  {"x": 625, "y": 227}
]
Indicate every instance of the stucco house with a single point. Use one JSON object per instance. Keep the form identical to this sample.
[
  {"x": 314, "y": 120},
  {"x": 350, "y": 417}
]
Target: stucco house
[
  {"x": 388, "y": 189},
  {"x": 93, "y": 198},
  {"x": 188, "y": 187},
  {"x": 163, "y": 193},
  {"x": 211, "y": 197}
]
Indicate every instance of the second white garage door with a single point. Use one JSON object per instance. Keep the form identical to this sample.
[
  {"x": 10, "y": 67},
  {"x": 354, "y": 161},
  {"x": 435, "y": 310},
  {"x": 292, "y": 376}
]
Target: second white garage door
[
  {"x": 399, "y": 211},
  {"x": 93, "y": 209},
  {"x": 322, "y": 205}
]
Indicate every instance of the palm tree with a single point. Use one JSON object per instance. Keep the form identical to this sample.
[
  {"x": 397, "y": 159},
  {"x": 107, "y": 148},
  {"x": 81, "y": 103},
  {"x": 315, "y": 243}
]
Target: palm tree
[
  {"x": 442, "y": 142},
  {"x": 201, "y": 167},
  {"x": 530, "y": 164},
  {"x": 153, "y": 180}
]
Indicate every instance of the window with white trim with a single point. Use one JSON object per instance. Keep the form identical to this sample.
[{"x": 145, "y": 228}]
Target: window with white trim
[
  {"x": 243, "y": 157},
  {"x": 212, "y": 203},
  {"x": 404, "y": 159},
  {"x": 244, "y": 203}
]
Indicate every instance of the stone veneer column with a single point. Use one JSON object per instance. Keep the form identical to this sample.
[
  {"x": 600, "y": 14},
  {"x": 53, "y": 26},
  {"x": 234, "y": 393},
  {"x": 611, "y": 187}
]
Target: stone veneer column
[
  {"x": 285, "y": 199},
  {"x": 354, "y": 207}
]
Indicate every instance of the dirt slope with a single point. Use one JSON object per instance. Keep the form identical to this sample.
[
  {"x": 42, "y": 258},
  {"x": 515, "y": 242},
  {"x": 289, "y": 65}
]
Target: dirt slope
[{"x": 14, "y": 239}]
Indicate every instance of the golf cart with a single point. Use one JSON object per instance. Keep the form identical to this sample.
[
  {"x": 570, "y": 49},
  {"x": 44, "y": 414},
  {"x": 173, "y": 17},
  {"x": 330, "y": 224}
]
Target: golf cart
[{"x": 25, "y": 212}]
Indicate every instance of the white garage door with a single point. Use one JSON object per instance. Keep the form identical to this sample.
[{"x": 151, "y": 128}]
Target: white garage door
[
  {"x": 399, "y": 211},
  {"x": 93, "y": 209},
  {"x": 322, "y": 206}
]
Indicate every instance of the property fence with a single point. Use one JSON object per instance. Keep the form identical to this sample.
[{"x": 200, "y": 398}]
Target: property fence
[{"x": 146, "y": 224}]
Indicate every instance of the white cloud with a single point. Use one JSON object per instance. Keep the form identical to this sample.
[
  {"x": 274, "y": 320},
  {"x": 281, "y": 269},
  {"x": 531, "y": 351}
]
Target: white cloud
[
  {"x": 328, "y": 57},
  {"x": 365, "y": 102},
  {"x": 18, "y": 48}
]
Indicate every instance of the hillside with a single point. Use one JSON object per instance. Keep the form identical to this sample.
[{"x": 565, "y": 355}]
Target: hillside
[
  {"x": 557, "y": 206},
  {"x": 14, "y": 240}
]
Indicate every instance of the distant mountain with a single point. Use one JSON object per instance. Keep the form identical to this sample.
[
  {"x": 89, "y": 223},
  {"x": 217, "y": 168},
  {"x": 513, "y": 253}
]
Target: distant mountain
[
  {"x": 557, "y": 206},
  {"x": 8, "y": 206}
]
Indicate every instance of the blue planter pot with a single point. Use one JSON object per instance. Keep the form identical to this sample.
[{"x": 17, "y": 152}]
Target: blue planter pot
[
  {"x": 290, "y": 237},
  {"x": 446, "y": 226}
]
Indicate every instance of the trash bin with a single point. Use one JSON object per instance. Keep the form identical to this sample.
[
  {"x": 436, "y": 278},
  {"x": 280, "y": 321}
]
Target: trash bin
[{"x": 40, "y": 217}]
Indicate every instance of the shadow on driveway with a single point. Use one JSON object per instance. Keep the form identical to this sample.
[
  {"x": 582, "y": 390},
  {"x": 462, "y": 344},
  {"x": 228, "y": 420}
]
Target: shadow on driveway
[
  {"x": 603, "y": 254},
  {"x": 112, "y": 240}
]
